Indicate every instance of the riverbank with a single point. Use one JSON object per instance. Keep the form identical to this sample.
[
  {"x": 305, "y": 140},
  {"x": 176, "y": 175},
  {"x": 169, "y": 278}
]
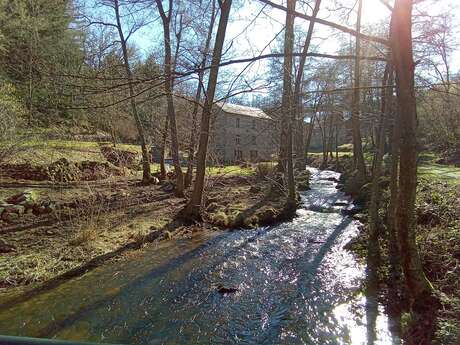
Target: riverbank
[
  {"x": 438, "y": 237},
  {"x": 293, "y": 283},
  {"x": 91, "y": 223}
]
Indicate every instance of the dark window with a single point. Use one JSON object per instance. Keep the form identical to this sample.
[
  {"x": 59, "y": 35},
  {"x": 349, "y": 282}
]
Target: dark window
[
  {"x": 253, "y": 124},
  {"x": 237, "y": 140},
  {"x": 237, "y": 122},
  {"x": 238, "y": 155},
  {"x": 254, "y": 140}
]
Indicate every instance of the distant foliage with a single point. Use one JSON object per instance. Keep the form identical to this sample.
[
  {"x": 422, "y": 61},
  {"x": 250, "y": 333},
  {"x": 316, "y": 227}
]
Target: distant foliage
[
  {"x": 11, "y": 110},
  {"x": 11, "y": 114},
  {"x": 38, "y": 48}
]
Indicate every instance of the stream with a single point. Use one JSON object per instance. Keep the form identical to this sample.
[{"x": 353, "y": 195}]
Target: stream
[{"x": 296, "y": 285}]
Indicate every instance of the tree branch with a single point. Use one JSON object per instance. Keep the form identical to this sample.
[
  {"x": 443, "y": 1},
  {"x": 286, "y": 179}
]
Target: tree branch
[{"x": 330, "y": 24}]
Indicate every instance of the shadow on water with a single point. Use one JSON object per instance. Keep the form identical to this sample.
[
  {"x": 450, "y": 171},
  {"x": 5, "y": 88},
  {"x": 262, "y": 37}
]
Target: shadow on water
[{"x": 296, "y": 285}]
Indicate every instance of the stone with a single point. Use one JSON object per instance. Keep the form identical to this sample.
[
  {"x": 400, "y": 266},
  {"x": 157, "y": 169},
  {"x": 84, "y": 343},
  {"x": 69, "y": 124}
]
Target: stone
[
  {"x": 226, "y": 290},
  {"x": 352, "y": 210},
  {"x": 340, "y": 203},
  {"x": 167, "y": 186},
  {"x": 361, "y": 217}
]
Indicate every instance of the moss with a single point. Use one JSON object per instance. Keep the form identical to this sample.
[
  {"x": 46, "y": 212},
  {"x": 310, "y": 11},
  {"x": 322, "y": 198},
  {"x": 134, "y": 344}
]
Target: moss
[
  {"x": 213, "y": 206},
  {"x": 267, "y": 215},
  {"x": 219, "y": 218},
  {"x": 251, "y": 222}
]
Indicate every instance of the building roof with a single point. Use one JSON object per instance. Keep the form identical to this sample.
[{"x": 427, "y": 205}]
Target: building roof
[{"x": 243, "y": 110}]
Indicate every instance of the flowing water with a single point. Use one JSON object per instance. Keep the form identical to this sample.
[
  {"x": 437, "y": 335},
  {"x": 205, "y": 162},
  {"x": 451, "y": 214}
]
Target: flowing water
[{"x": 296, "y": 285}]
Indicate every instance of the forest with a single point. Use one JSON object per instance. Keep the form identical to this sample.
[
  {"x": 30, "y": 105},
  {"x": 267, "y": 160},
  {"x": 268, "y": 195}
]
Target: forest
[{"x": 230, "y": 171}]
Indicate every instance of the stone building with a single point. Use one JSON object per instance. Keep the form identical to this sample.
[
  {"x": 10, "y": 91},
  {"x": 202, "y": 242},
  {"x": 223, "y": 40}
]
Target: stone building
[{"x": 242, "y": 134}]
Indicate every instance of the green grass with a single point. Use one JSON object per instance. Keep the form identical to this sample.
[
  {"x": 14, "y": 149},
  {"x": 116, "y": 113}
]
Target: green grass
[
  {"x": 42, "y": 152},
  {"x": 320, "y": 154},
  {"x": 230, "y": 170},
  {"x": 428, "y": 168}
]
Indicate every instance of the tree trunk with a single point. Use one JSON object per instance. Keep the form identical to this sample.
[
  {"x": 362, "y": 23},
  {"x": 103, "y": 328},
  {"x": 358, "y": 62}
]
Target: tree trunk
[
  {"x": 169, "y": 80},
  {"x": 309, "y": 135},
  {"x": 301, "y": 159},
  {"x": 192, "y": 143},
  {"x": 287, "y": 105},
  {"x": 394, "y": 279},
  {"x": 192, "y": 209},
  {"x": 164, "y": 141},
  {"x": 358, "y": 156},
  {"x": 146, "y": 176},
  {"x": 420, "y": 290}
]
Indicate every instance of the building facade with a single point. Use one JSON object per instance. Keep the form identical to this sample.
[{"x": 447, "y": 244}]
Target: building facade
[{"x": 242, "y": 134}]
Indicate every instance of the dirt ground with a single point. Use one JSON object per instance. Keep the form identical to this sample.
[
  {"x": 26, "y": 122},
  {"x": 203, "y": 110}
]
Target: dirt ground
[{"x": 98, "y": 220}]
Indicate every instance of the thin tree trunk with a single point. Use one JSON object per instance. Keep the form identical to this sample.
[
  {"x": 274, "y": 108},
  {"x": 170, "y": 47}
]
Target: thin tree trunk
[
  {"x": 301, "y": 159},
  {"x": 192, "y": 209},
  {"x": 146, "y": 176},
  {"x": 169, "y": 80},
  {"x": 164, "y": 140},
  {"x": 192, "y": 143},
  {"x": 309, "y": 135},
  {"x": 358, "y": 156},
  {"x": 423, "y": 304},
  {"x": 337, "y": 146},
  {"x": 287, "y": 105},
  {"x": 394, "y": 279}
]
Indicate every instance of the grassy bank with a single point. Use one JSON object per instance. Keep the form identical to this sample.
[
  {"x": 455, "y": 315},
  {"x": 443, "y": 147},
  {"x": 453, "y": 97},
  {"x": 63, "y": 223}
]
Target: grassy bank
[
  {"x": 438, "y": 238},
  {"x": 95, "y": 221}
]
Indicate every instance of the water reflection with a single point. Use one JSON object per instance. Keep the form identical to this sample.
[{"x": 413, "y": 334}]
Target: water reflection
[{"x": 296, "y": 285}]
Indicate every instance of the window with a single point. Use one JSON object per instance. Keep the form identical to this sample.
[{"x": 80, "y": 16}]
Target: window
[
  {"x": 238, "y": 140},
  {"x": 253, "y": 124},
  {"x": 237, "y": 122},
  {"x": 238, "y": 155},
  {"x": 253, "y": 154},
  {"x": 254, "y": 140}
]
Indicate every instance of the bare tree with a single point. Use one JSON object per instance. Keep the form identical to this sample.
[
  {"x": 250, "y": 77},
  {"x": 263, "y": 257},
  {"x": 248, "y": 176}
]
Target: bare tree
[
  {"x": 300, "y": 135},
  {"x": 118, "y": 25},
  {"x": 192, "y": 209},
  {"x": 419, "y": 288},
  {"x": 169, "y": 80},
  {"x": 358, "y": 155},
  {"x": 199, "y": 89},
  {"x": 287, "y": 105}
]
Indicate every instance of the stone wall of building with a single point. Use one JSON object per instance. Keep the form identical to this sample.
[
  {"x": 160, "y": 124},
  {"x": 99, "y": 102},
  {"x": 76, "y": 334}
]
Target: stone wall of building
[{"x": 237, "y": 138}]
